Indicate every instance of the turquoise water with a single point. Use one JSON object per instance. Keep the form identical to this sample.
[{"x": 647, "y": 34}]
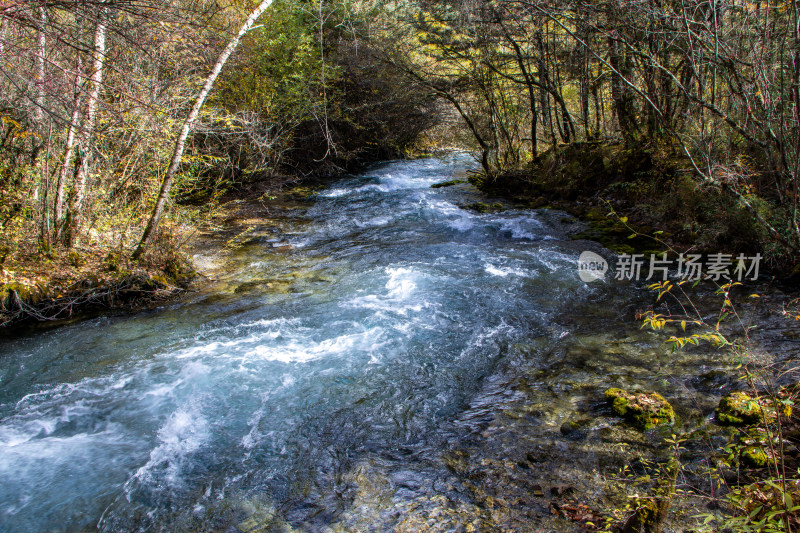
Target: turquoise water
[{"x": 253, "y": 401}]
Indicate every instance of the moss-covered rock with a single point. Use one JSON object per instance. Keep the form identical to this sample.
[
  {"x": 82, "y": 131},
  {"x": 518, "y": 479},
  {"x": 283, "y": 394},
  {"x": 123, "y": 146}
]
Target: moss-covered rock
[
  {"x": 540, "y": 202},
  {"x": 481, "y": 207},
  {"x": 645, "y": 410},
  {"x": 738, "y": 409},
  {"x": 753, "y": 457},
  {"x": 447, "y": 184},
  {"x": 648, "y": 516},
  {"x": 652, "y": 510}
]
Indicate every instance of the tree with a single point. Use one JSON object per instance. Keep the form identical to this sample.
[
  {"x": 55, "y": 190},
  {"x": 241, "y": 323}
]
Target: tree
[
  {"x": 188, "y": 125},
  {"x": 85, "y": 149}
]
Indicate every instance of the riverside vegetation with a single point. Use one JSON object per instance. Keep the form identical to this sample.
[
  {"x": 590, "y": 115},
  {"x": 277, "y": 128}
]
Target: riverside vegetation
[
  {"x": 683, "y": 115},
  {"x": 667, "y": 125}
]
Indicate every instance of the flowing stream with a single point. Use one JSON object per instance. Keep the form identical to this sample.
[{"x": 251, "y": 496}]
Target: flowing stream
[{"x": 360, "y": 364}]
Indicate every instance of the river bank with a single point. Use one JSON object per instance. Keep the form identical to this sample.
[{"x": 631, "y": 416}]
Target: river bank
[
  {"x": 43, "y": 290},
  {"x": 665, "y": 208},
  {"x": 82, "y": 283},
  {"x": 44, "y": 287}
]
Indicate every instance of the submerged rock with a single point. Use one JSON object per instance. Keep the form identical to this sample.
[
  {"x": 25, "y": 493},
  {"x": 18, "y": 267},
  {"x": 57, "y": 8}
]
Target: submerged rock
[
  {"x": 575, "y": 429},
  {"x": 645, "y": 410}
]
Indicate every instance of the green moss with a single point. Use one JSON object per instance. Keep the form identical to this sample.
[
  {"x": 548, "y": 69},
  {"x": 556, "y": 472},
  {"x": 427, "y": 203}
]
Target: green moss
[
  {"x": 481, "y": 207},
  {"x": 538, "y": 203},
  {"x": 9, "y": 290},
  {"x": 645, "y": 410},
  {"x": 622, "y": 248},
  {"x": 111, "y": 262},
  {"x": 753, "y": 457},
  {"x": 738, "y": 409},
  {"x": 178, "y": 268},
  {"x": 6, "y": 296},
  {"x": 75, "y": 259},
  {"x": 478, "y": 180},
  {"x": 302, "y": 192},
  {"x": 646, "y": 516},
  {"x": 159, "y": 282},
  {"x": 447, "y": 184}
]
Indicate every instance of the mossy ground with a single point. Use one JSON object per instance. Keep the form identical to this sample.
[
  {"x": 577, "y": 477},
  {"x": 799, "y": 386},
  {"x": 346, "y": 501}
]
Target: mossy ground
[
  {"x": 33, "y": 283},
  {"x": 51, "y": 288}
]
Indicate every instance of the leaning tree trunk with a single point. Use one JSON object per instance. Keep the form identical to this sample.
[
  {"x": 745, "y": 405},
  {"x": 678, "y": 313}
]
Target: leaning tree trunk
[
  {"x": 85, "y": 149},
  {"x": 188, "y": 125}
]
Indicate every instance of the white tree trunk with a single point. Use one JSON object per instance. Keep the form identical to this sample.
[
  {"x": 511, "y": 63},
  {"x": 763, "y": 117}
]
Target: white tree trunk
[
  {"x": 69, "y": 150},
  {"x": 3, "y": 31},
  {"x": 38, "y": 103},
  {"x": 188, "y": 125},
  {"x": 40, "y": 73},
  {"x": 85, "y": 149}
]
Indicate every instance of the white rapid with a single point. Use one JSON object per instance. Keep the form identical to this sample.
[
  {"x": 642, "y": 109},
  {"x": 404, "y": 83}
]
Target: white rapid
[{"x": 373, "y": 333}]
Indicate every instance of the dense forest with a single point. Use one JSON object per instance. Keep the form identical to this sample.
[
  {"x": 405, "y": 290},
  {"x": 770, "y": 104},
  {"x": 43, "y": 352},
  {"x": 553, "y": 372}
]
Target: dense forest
[{"x": 682, "y": 100}]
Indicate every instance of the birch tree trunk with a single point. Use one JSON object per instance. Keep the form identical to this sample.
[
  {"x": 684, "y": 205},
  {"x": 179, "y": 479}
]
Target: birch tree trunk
[
  {"x": 40, "y": 72},
  {"x": 3, "y": 30},
  {"x": 85, "y": 149},
  {"x": 188, "y": 125},
  {"x": 69, "y": 150},
  {"x": 39, "y": 118}
]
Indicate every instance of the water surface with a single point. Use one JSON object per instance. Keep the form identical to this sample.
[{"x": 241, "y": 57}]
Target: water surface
[{"x": 335, "y": 384}]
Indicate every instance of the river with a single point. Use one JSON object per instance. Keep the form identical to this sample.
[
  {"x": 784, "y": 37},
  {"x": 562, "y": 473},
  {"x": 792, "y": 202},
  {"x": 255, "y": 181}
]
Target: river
[{"x": 395, "y": 363}]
